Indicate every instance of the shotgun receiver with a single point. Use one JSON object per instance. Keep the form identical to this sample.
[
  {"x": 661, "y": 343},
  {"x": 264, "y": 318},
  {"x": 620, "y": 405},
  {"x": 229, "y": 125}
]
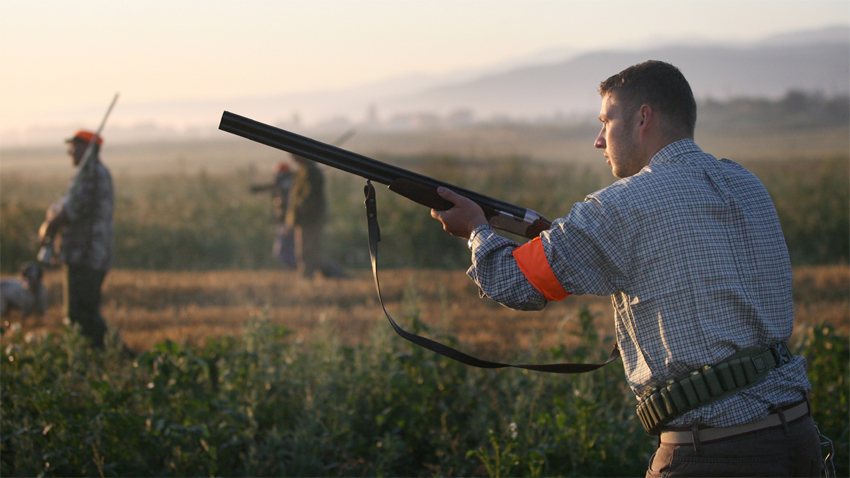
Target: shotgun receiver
[{"x": 416, "y": 187}]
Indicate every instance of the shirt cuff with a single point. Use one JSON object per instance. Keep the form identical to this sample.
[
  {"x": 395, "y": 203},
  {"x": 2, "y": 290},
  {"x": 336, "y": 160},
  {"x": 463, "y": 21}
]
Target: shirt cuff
[{"x": 476, "y": 236}]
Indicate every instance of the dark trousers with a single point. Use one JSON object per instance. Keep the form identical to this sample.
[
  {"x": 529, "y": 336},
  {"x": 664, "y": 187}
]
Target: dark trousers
[
  {"x": 779, "y": 451},
  {"x": 82, "y": 301},
  {"x": 308, "y": 246},
  {"x": 284, "y": 246}
]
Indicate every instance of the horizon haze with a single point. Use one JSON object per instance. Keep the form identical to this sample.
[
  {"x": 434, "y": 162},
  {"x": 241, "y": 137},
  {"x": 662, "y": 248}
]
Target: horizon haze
[{"x": 328, "y": 63}]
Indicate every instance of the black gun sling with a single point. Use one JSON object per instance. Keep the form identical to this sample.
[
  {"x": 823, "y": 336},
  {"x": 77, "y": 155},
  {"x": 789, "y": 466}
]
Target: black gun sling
[{"x": 375, "y": 237}]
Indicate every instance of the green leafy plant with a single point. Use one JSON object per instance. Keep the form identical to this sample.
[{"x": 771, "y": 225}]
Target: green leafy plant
[{"x": 265, "y": 404}]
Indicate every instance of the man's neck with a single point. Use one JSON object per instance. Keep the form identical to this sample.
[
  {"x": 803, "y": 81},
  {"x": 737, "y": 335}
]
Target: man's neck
[{"x": 663, "y": 143}]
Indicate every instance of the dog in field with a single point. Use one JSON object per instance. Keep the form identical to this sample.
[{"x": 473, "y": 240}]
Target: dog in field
[{"x": 27, "y": 294}]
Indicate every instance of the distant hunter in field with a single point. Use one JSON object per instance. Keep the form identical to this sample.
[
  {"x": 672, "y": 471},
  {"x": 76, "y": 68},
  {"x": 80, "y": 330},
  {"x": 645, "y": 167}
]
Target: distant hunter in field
[
  {"x": 691, "y": 252},
  {"x": 283, "y": 248},
  {"x": 306, "y": 213},
  {"x": 83, "y": 220}
]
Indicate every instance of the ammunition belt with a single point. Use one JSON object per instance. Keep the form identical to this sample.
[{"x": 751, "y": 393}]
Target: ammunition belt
[{"x": 708, "y": 384}]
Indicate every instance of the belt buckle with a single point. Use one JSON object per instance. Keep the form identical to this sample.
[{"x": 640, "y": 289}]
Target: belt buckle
[{"x": 780, "y": 353}]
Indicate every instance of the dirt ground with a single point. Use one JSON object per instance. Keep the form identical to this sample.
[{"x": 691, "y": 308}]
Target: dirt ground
[{"x": 149, "y": 307}]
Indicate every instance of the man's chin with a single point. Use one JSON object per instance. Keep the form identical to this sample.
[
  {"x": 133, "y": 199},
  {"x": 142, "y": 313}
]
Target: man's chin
[{"x": 619, "y": 173}]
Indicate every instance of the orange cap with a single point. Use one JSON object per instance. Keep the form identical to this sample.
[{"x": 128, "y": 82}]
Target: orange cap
[{"x": 86, "y": 137}]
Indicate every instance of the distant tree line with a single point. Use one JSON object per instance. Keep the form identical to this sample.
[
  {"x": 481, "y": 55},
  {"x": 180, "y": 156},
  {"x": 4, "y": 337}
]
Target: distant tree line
[{"x": 795, "y": 109}]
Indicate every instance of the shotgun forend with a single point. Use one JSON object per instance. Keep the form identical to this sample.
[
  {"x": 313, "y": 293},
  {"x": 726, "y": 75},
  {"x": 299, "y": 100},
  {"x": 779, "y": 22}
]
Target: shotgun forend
[{"x": 414, "y": 186}]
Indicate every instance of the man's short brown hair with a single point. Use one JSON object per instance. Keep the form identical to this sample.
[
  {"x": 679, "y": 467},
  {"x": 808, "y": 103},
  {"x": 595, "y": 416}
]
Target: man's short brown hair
[{"x": 659, "y": 85}]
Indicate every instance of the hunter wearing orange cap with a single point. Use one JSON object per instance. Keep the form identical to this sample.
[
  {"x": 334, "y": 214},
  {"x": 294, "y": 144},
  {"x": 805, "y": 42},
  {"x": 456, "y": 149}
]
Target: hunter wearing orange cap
[
  {"x": 79, "y": 143},
  {"x": 83, "y": 219},
  {"x": 85, "y": 137}
]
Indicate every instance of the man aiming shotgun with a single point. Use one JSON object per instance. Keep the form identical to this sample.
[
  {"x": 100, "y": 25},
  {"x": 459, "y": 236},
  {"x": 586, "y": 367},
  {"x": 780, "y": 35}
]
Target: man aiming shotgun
[{"x": 691, "y": 252}]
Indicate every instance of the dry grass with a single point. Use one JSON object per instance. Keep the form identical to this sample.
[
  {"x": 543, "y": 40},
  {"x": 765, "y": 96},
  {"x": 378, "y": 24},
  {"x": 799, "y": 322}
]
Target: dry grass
[{"x": 148, "y": 307}]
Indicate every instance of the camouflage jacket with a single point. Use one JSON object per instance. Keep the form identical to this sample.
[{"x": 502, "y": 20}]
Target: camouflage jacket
[
  {"x": 307, "y": 198},
  {"x": 88, "y": 206},
  {"x": 281, "y": 188}
]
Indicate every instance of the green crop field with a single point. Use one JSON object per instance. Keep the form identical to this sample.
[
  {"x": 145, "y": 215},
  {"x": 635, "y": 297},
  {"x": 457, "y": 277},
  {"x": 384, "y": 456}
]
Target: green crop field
[{"x": 260, "y": 374}]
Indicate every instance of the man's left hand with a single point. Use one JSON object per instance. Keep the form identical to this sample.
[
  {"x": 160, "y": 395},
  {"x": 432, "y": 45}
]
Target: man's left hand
[{"x": 461, "y": 219}]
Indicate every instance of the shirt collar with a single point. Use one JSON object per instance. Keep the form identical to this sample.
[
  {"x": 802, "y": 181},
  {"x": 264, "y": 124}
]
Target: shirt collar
[{"x": 673, "y": 151}]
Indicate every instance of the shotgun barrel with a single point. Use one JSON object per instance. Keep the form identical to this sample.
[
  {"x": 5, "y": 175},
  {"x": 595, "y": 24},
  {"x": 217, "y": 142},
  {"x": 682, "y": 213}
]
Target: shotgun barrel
[{"x": 416, "y": 187}]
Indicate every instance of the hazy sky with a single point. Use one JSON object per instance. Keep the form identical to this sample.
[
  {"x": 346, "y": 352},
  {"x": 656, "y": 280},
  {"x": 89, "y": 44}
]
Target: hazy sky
[{"x": 58, "y": 55}]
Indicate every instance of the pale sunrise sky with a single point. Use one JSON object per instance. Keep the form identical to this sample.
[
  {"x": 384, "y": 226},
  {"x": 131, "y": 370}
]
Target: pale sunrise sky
[{"x": 58, "y": 55}]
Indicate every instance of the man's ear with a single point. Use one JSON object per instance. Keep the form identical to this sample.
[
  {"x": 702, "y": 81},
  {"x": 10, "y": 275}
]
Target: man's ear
[{"x": 645, "y": 119}]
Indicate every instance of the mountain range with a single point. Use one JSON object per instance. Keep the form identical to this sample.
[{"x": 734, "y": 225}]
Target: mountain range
[
  {"x": 811, "y": 61},
  {"x": 714, "y": 72}
]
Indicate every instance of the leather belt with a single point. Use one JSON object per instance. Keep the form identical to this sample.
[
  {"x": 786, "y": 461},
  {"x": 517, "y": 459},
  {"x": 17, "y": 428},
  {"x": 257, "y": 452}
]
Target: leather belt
[{"x": 775, "y": 419}]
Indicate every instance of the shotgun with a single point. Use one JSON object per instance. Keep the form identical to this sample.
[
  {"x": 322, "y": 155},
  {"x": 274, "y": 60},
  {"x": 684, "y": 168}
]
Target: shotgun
[{"x": 416, "y": 187}]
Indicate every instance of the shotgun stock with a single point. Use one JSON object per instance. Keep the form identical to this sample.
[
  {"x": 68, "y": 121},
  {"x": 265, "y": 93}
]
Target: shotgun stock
[{"x": 416, "y": 187}]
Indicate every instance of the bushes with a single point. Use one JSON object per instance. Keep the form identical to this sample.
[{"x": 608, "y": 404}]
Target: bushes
[
  {"x": 263, "y": 405},
  {"x": 828, "y": 355},
  {"x": 812, "y": 199},
  {"x": 18, "y": 234},
  {"x": 202, "y": 222}
]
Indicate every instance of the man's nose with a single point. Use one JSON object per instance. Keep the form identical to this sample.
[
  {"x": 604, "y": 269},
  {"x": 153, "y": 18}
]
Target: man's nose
[{"x": 600, "y": 142}]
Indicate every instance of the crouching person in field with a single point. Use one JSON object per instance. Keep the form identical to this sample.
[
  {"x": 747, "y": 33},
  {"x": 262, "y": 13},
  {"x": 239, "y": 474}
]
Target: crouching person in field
[{"x": 83, "y": 220}]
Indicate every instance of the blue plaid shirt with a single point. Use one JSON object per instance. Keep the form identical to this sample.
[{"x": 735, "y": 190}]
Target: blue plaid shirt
[{"x": 691, "y": 252}]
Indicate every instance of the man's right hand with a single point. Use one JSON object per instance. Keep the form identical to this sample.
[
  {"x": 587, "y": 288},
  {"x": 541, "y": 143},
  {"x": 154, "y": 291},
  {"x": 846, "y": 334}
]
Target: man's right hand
[
  {"x": 55, "y": 218},
  {"x": 46, "y": 233}
]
